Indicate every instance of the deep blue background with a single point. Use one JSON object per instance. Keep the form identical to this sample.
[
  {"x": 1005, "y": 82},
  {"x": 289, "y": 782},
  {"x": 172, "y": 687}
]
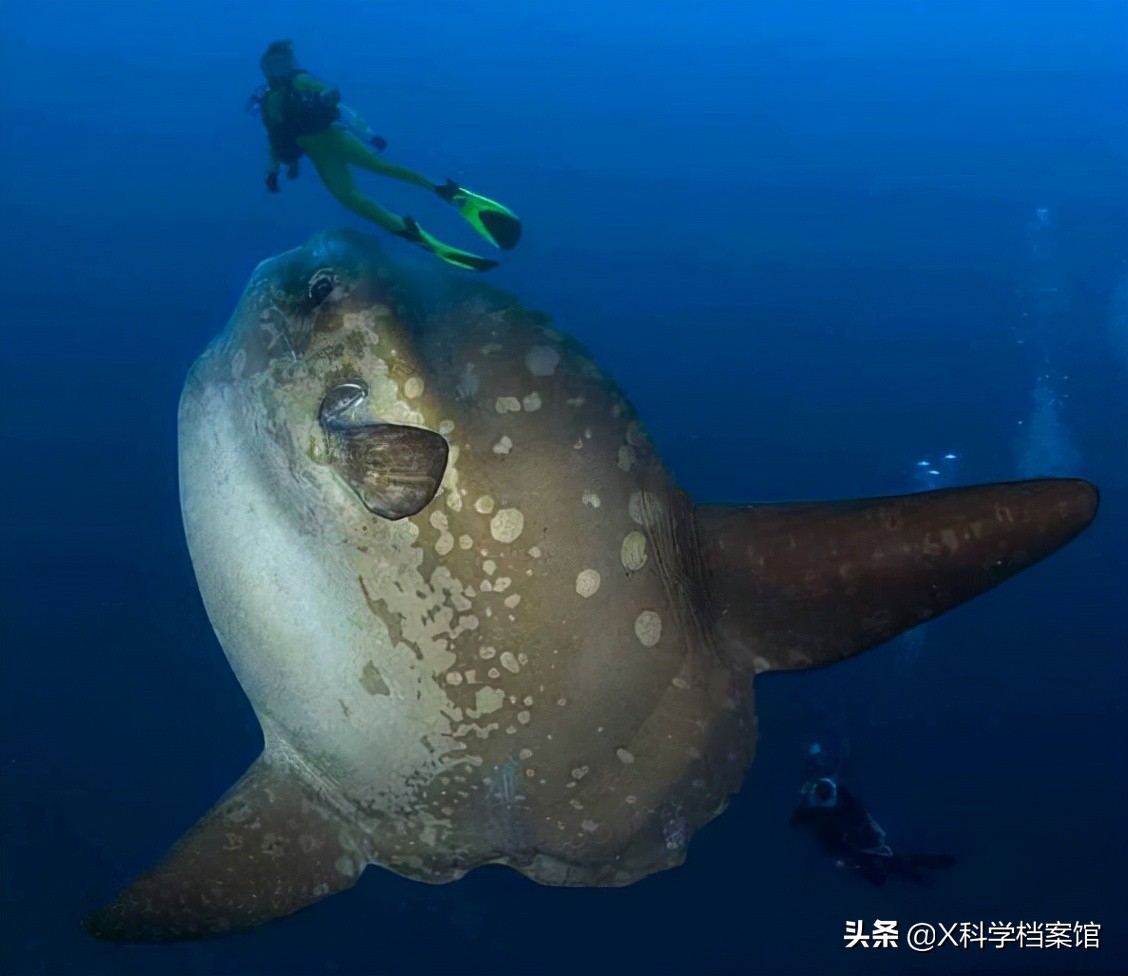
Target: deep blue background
[{"x": 797, "y": 233}]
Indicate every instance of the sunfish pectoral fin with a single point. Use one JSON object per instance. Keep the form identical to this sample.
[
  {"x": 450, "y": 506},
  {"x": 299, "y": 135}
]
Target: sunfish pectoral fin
[
  {"x": 797, "y": 586},
  {"x": 395, "y": 470},
  {"x": 271, "y": 846}
]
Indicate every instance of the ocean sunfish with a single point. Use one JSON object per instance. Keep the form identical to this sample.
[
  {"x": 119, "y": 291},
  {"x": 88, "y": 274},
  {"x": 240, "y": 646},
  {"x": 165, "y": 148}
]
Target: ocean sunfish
[{"x": 477, "y": 620}]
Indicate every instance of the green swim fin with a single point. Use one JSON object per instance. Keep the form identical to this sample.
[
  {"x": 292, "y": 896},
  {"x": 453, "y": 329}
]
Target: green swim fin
[
  {"x": 497, "y": 224},
  {"x": 452, "y": 255}
]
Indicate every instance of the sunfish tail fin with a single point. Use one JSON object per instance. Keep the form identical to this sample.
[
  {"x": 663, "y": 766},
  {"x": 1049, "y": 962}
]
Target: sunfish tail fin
[
  {"x": 798, "y": 586},
  {"x": 271, "y": 846}
]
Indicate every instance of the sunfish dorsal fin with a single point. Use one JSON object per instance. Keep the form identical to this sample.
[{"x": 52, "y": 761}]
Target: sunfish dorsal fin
[
  {"x": 272, "y": 845},
  {"x": 798, "y": 586}
]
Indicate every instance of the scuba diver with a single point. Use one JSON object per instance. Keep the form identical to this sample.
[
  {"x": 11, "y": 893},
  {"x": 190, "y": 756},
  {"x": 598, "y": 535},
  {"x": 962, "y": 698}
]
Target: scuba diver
[
  {"x": 305, "y": 117},
  {"x": 846, "y": 831}
]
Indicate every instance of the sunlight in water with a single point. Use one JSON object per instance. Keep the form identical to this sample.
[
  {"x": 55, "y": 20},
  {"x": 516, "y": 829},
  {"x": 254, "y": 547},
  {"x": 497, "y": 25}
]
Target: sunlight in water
[{"x": 1045, "y": 447}]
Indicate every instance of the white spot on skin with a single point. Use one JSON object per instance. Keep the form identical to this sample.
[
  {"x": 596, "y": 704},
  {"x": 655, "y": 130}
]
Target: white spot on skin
[
  {"x": 507, "y": 525},
  {"x": 525, "y": 754},
  {"x": 512, "y": 600},
  {"x": 644, "y": 507},
  {"x": 580, "y": 772},
  {"x": 453, "y": 678},
  {"x": 532, "y": 402},
  {"x": 509, "y": 662},
  {"x": 438, "y": 520},
  {"x": 413, "y": 388},
  {"x": 626, "y": 458},
  {"x": 502, "y": 583},
  {"x": 446, "y": 427},
  {"x": 524, "y": 718},
  {"x": 365, "y": 320},
  {"x": 587, "y": 582},
  {"x": 589, "y": 826},
  {"x": 535, "y": 552},
  {"x": 444, "y": 544},
  {"x": 468, "y": 383},
  {"x": 484, "y": 505},
  {"x": 635, "y": 435},
  {"x": 488, "y": 700},
  {"x": 489, "y": 567},
  {"x": 592, "y": 499},
  {"x": 503, "y": 446},
  {"x": 450, "y": 482},
  {"x": 465, "y": 542},
  {"x": 542, "y": 360},
  {"x": 626, "y": 757},
  {"x": 493, "y": 673},
  {"x": 485, "y": 653},
  {"x": 507, "y": 405},
  {"x": 648, "y": 628},
  {"x": 633, "y": 551}
]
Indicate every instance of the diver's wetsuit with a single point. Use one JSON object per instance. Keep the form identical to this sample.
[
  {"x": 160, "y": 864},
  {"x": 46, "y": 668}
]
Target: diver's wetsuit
[
  {"x": 299, "y": 120},
  {"x": 304, "y": 116},
  {"x": 846, "y": 832}
]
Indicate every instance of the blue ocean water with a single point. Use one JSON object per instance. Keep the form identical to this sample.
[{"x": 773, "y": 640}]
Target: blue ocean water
[{"x": 816, "y": 243}]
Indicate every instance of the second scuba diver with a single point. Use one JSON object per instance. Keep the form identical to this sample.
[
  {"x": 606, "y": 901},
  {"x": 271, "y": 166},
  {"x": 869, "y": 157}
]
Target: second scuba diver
[
  {"x": 847, "y": 833},
  {"x": 304, "y": 116}
]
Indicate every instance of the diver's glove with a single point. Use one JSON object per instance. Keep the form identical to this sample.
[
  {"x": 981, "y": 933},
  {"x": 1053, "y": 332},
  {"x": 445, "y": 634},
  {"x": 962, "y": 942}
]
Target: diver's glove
[
  {"x": 379, "y": 142},
  {"x": 272, "y": 182}
]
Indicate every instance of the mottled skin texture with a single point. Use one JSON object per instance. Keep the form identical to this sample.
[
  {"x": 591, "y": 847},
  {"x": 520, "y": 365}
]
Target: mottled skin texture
[{"x": 549, "y": 664}]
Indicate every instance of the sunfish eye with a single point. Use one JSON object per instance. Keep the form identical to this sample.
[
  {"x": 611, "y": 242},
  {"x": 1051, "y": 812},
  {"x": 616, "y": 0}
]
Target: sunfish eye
[
  {"x": 337, "y": 402},
  {"x": 321, "y": 286}
]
